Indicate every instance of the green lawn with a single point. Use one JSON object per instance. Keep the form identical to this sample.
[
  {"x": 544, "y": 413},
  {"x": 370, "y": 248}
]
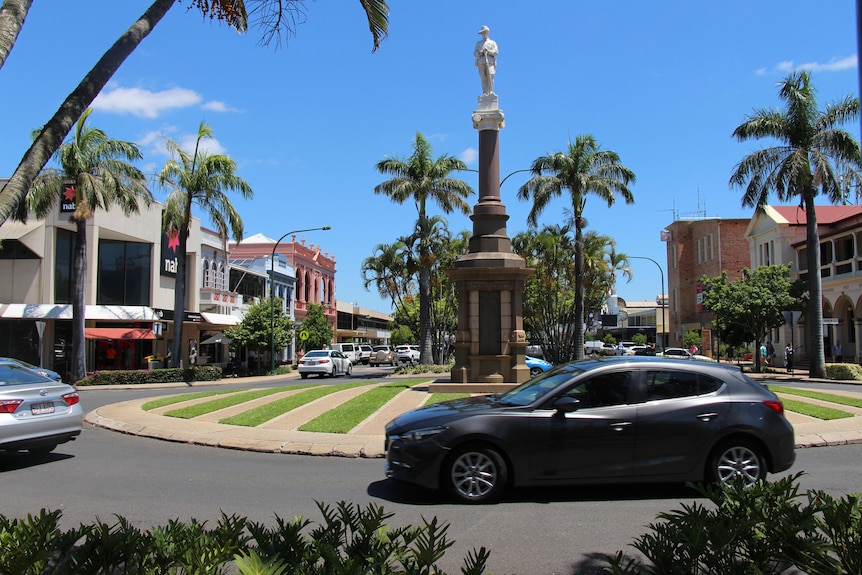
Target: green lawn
[
  {"x": 199, "y": 409},
  {"x": 822, "y": 396},
  {"x": 353, "y": 412},
  {"x": 172, "y": 399},
  {"x": 811, "y": 410},
  {"x": 438, "y": 397}
]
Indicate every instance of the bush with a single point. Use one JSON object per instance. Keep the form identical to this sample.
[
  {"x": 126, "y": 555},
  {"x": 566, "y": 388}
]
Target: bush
[
  {"x": 765, "y": 528},
  {"x": 849, "y": 371},
  {"x": 351, "y": 540},
  {"x": 140, "y": 377}
]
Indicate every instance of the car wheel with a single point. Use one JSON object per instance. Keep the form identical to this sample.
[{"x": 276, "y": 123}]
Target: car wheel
[
  {"x": 349, "y": 369},
  {"x": 476, "y": 475},
  {"x": 303, "y": 375},
  {"x": 737, "y": 460},
  {"x": 334, "y": 372},
  {"x": 43, "y": 450},
  {"x": 535, "y": 371}
]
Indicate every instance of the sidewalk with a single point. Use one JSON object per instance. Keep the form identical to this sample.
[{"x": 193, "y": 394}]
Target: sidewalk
[{"x": 367, "y": 439}]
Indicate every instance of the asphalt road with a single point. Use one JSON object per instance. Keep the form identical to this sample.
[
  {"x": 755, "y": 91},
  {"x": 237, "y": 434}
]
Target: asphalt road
[{"x": 536, "y": 531}]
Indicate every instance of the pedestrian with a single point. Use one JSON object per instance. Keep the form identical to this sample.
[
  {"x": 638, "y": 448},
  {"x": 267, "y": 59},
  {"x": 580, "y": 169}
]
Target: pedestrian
[
  {"x": 838, "y": 352},
  {"x": 770, "y": 353},
  {"x": 788, "y": 357},
  {"x": 763, "y": 358}
]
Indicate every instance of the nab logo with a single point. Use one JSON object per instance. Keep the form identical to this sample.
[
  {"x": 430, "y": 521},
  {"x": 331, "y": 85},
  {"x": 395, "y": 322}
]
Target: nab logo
[
  {"x": 169, "y": 255},
  {"x": 67, "y": 201}
]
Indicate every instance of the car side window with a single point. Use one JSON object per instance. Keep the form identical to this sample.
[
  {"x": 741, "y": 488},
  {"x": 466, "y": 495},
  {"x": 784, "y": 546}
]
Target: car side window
[
  {"x": 669, "y": 384},
  {"x": 603, "y": 390}
]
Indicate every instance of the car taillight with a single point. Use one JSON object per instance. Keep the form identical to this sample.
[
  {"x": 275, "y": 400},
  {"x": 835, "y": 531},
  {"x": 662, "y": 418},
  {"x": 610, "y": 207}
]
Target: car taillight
[
  {"x": 10, "y": 405},
  {"x": 71, "y": 398},
  {"x": 775, "y": 405},
  {"x": 324, "y": 360}
]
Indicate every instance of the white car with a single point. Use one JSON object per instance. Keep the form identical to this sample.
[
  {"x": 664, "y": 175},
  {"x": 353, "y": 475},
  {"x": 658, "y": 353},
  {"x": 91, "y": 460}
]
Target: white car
[
  {"x": 681, "y": 353},
  {"x": 408, "y": 353},
  {"x": 365, "y": 352},
  {"x": 324, "y": 362}
]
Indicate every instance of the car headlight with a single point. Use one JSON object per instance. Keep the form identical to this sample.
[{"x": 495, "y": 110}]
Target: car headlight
[{"x": 418, "y": 434}]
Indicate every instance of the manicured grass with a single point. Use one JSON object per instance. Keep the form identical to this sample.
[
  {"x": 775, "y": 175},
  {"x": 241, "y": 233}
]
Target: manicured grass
[
  {"x": 172, "y": 399},
  {"x": 811, "y": 410},
  {"x": 438, "y": 397},
  {"x": 822, "y": 396},
  {"x": 199, "y": 409},
  {"x": 258, "y": 415},
  {"x": 353, "y": 412}
]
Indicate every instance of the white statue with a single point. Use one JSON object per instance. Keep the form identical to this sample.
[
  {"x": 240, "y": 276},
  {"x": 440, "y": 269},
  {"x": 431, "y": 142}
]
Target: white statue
[{"x": 486, "y": 60}]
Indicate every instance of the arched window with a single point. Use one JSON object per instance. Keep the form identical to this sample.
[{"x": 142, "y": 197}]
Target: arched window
[{"x": 207, "y": 277}]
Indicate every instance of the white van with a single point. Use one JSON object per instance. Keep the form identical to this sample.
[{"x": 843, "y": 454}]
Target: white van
[{"x": 350, "y": 351}]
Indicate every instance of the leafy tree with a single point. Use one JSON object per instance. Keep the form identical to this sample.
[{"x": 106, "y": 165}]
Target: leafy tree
[
  {"x": 93, "y": 168},
  {"x": 317, "y": 327},
  {"x": 406, "y": 316},
  {"x": 692, "y": 337},
  {"x": 401, "y": 334},
  {"x": 799, "y": 168},
  {"x": 387, "y": 270},
  {"x": 750, "y": 306},
  {"x": 421, "y": 178},
  {"x": 274, "y": 17},
  {"x": 197, "y": 178},
  {"x": 583, "y": 171},
  {"x": 259, "y": 322},
  {"x": 639, "y": 339}
]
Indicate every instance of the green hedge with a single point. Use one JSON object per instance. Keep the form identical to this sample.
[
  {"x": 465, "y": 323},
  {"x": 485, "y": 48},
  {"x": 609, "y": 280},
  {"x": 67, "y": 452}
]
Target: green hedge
[
  {"x": 849, "y": 371},
  {"x": 140, "y": 377}
]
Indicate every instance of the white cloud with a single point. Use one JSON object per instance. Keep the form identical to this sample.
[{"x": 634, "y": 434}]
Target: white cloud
[
  {"x": 834, "y": 65},
  {"x": 469, "y": 155},
  {"x": 144, "y": 103},
  {"x": 218, "y": 106},
  {"x": 154, "y": 142}
]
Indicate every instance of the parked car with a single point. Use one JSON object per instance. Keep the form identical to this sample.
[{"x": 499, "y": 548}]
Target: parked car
[
  {"x": 408, "y": 353},
  {"x": 534, "y": 349},
  {"x": 37, "y": 413},
  {"x": 682, "y": 353},
  {"x": 383, "y": 355},
  {"x": 365, "y": 352},
  {"x": 610, "y": 420},
  {"x": 324, "y": 362},
  {"x": 350, "y": 351},
  {"x": 537, "y": 366},
  {"x": 49, "y": 373}
]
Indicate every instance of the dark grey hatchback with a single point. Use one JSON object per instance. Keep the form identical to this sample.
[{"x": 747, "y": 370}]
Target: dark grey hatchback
[{"x": 615, "y": 419}]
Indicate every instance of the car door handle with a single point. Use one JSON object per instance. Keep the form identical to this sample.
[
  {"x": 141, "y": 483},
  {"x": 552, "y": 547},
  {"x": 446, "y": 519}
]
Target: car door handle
[
  {"x": 706, "y": 417},
  {"x": 621, "y": 425}
]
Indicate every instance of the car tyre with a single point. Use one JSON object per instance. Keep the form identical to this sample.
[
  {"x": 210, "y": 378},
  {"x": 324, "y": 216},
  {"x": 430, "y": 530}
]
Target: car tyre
[
  {"x": 349, "y": 369},
  {"x": 738, "y": 459},
  {"x": 476, "y": 474},
  {"x": 334, "y": 372},
  {"x": 303, "y": 375},
  {"x": 535, "y": 372}
]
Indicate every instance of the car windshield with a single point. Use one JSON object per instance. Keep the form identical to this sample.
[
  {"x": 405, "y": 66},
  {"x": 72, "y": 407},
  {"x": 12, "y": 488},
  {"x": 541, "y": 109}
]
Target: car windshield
[
  {"x": 14, "y": 375},
  {"x": 317, "y": 354},
  {"x": 528, "y": 392}
]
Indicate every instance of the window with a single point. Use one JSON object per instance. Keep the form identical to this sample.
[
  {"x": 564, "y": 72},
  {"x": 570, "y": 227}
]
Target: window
[
  {"x": 674, "y": 255},
  {"x": 124, "y": 273},
  {"x": 704, "y": 249},
  {"x": 603, "y": 390},
  {"x": 673, "y": 384},
  {"x": 63, "y": 266}
]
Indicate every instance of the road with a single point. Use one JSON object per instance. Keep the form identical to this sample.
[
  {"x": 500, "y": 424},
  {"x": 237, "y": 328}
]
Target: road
[{"x": 536, "y": 531}]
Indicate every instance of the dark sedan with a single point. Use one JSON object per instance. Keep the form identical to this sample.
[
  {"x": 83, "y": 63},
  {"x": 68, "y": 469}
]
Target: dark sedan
[{"x": 619, "y": 419}]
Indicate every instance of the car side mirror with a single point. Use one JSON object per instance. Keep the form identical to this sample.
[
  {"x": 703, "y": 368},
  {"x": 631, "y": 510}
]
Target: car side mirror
[{"x": 567, "y": 404}]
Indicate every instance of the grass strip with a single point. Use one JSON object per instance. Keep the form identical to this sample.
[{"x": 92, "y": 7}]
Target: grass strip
[
  {"x": 353, "y": 412},
  {"x": 199, "y": 409},
  {"x": 438, "y": 397},
  {"x": 822, "y": 396},
  {"x": 812, "y": 410},
  {"x": 172, "y": 399},
  {"x": 259, "y": 415}
]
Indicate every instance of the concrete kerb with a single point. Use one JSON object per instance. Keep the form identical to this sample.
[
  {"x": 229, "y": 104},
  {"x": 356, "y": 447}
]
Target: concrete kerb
[{"x": 366, "y": 439}]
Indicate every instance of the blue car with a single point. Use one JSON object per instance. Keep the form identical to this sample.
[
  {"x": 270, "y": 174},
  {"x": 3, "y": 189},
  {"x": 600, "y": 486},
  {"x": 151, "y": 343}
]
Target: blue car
[
  {"x": 50, "y": 374},
  {"x": 537, "y": 365}
]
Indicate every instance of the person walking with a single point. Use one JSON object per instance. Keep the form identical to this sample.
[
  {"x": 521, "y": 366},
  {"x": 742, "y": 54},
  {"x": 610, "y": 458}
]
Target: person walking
[
  {"x": 763, "y": 358},
  {"x": 788, "y": 357},
  {"x": 838, "y": 352}
]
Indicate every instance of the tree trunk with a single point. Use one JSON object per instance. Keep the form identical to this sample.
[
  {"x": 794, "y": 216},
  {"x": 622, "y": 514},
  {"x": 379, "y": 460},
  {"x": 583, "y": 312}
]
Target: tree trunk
[
  {"x": 425, "y": 355},
  {"x": 12, "y": 16},
  {"x": 180, "y": 294},
  {"x": 56, "y": 129},
  {"x": 578, "y": 333},
  {"x": 79, "y": 286},
  {"x": 814, "y": 321}
]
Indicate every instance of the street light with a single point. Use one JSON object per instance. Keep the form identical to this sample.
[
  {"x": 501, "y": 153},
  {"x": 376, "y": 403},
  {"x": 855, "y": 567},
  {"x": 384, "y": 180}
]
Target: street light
[
  {"x": 272, "y": 294},
  {"x": 661, "y": 295}
]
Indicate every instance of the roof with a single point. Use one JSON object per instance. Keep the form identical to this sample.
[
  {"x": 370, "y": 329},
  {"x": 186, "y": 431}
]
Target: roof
[{"x": 795, "y": 215}]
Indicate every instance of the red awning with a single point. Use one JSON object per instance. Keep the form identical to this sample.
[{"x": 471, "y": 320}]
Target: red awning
[{"x": 118, "y": 333}]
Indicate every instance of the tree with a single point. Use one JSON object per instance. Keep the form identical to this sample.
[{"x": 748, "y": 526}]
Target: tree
[
  {"x": 387, "y": 270},
  {"x": 274, "y": 17},
  {"x": 254, "y": 331},
  {"x": 799, "y": 168},
  {"x": 584, "y": 170},
  {"x": 316, "y": 327},
  {"x": 750, "y": 306},
  {"x": 197, "y": 178},
  {"x": 422, "y": 178},
  {"x": 92, "y": 167}
]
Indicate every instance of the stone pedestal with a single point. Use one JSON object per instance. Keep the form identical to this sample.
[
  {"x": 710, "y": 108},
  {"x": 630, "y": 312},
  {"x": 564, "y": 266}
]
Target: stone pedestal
[{"x": 490, "y": 342}]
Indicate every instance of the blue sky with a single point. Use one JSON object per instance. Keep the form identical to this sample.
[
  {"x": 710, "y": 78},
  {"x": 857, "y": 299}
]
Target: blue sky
[{"x": 662, "y": 83}]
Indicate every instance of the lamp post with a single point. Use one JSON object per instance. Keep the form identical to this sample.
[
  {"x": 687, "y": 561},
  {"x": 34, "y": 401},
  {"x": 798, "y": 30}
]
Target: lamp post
[
  {"x": 272, "y": 294},
  {"x": 661, "y": 295}
]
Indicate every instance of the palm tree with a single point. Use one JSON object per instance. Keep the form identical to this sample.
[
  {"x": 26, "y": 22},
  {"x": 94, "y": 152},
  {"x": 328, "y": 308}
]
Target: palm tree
[
  {"x": 197, "y": 178},
  {"x": 93, "y": 167},
  {"x": 274, "y": 17},
  {"x": 584, "y": 170},
  {"x": 800, "y": 167},
  {"x": 422, "y": 178},
  {"x": 387, "y": 270}
]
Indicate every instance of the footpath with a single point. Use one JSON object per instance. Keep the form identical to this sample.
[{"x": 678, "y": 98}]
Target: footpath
[{"x": 282, "y": 435}]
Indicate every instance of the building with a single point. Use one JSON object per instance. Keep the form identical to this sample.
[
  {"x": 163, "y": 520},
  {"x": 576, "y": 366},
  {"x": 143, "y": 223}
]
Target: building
[{"x": 362, "y": 325}]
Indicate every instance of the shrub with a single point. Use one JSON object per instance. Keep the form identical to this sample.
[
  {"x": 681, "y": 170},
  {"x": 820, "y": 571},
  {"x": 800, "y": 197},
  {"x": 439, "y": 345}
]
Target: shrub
[
  {"x": 139, "y": 377},
  {"x": 849, "y": 371}
]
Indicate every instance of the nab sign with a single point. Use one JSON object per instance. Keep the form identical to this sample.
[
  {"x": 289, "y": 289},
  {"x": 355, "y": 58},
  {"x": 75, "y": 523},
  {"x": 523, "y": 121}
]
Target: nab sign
[{"x": 169, "y": 259}]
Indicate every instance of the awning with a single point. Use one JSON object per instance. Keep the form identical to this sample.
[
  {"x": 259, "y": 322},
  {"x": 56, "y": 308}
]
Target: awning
[
  {"x": 118, "y": 333},
  {"x": 64, "y": 311},
  {"x": 220, "y": 338},
  {"x": 220, "y": 318}
]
